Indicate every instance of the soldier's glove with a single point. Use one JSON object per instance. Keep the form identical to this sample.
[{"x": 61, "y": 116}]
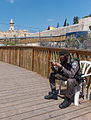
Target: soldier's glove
[{"x": 78, "y": 77}]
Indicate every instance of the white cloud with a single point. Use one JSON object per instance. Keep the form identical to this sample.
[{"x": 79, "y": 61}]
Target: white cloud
[
  {"x": 11, "y": 1},
  {"x": 50, "y": 20}
]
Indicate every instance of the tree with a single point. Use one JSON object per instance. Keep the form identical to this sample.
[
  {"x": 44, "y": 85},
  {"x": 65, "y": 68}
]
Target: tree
[
  {"x": 65, "y": 22},
  {"x": 48, "y": 28},
  {"x": 25, "y": 35},
  {"x": 76, "y": 20},
  {"x": 72, "y": 43},
  {"x": 58, "y": 25},
  {"x": 15, "y": 39},
  {"x": 79, "y": 43},
  {"x": 87, "y": 16},
  {"x": 6, "y": 40}
]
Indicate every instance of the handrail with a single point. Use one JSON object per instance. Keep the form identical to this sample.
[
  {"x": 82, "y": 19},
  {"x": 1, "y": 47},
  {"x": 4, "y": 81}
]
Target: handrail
[{"x": 79, "y": 51}]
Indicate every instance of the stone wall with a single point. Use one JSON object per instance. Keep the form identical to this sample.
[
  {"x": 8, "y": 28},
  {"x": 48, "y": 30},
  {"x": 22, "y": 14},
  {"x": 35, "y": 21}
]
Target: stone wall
[
  {"x": 16, "y": 33},
  {"x": 59, "y": 31},
  {"x": 86, "y": 22}
]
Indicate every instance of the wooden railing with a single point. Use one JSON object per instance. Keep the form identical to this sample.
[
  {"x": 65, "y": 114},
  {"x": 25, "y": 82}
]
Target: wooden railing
[{"x": 37, "y": 58}]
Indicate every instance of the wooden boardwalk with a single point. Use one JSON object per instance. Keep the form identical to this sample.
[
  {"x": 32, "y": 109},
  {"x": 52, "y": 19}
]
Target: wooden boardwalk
[{"x": 22, "y": 98}]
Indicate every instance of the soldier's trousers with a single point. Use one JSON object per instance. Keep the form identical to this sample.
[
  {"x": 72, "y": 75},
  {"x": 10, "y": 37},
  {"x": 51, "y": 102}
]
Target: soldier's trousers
[{"x": 71, "y": 83}]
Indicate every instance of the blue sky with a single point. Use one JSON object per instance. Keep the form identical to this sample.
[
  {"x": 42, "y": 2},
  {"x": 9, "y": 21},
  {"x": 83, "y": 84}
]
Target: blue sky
[{"x": 36, "y": 15}]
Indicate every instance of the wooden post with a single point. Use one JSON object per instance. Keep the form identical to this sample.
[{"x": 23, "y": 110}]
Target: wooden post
[
  {"x": 15, "y": 56},
  {"x": 48, "y": 63},
  {"x": 24, "y": 57},
  {"x": 89, "y": 82},
  {"x": 19, "y": 57},
  {"x": 9, "y": 55},
  {"x": 12, "y": 55},
  {"x": 32, "y": 59},
  {"x": 28, "y": 59},
  {"x": 1, "y": 54},
  {"x": 6, "y": 55},
  {"x": 88, "y": 87},
  {"x": 42, "y": 72}
]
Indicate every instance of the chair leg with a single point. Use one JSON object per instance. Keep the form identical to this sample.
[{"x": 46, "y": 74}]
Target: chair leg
[
  {"x": 88, "y": 91},
  {"x": 59, "y": 87},
  {"x": 65, "y": 83},
  {"x": 85, "y": 92},
  {"x": 60, "y": 83},
  {"x": 77, "y": 94}
]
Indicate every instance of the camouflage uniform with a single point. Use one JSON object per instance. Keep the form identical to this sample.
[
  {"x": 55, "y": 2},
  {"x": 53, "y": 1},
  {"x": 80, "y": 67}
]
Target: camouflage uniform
[{"x": 66, "y": 74}]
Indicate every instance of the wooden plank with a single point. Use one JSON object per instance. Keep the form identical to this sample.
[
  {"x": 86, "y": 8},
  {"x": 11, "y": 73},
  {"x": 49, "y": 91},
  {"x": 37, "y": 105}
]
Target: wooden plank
[
  {"x": 89, "y": 83},
  {"x": 9, "y": 56},
  {"x": 20, "y": 57},
  {"x": 48, "y": 64},
  {"x": 22, "y": 97},
  {"x": 32, "y": 59},
  {"x": 4, "y": 55},
  {"x": 29, "y": 60},
  {"x": 15, "y": 56}
]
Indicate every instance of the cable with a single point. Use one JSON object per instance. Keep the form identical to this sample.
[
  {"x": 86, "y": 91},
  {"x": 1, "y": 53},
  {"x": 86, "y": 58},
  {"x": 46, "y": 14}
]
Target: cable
[{"x": 23, "y": 26}]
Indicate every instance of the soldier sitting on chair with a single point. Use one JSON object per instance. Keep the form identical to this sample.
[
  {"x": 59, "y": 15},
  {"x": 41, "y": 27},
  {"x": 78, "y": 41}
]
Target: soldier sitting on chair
[{"x": 68, "y": 68}]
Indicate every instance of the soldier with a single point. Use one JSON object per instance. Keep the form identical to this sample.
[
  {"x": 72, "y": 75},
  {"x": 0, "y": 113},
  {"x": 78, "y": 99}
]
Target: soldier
[{"x": 66, "y": 70}]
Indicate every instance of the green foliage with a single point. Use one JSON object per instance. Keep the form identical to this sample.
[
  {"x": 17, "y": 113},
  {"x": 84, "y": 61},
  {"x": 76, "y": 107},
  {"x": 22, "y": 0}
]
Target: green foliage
[
  {"x": 87, "y": 16},
  {"x": 25, "y": 35},
  {"x": 78, "y": 43},
  {"x": 13, "y": 44},
  {"x": 65, "y": 22},
  {"x": 58, "y": 25},
  {"x": 48, "y": 28},
  {"x": 76, "y": 20},
  {"x": 72, "y": 42},
  {"x": 89, "y": 39},
  {"x": 81, "y": 39}
]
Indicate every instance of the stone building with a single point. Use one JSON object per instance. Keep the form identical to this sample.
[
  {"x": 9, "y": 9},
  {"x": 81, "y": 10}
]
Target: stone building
[
  {"x": 86, "y": 23},
  {"x": 14, "y": 33},
  {"x": 11, "y": 25}
]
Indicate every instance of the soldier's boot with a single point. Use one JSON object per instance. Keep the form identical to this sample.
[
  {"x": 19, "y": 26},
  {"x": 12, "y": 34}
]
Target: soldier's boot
[
  {"x": 65, "y": 103},
  {"x": 51, "y": 95}
]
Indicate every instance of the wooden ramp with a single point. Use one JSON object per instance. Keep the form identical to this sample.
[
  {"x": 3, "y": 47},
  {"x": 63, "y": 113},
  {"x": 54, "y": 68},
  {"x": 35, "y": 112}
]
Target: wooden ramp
[{"x": 22, "y": 98}]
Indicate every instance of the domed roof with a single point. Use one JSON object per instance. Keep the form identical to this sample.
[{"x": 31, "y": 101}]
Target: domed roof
[{"x": 50, "y": 28}]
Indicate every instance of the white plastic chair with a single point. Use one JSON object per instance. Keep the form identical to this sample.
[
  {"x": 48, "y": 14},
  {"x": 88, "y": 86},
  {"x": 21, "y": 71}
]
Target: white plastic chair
[
  {"x": 86, "y": 71},
  {"x": 85, "y": 66}
]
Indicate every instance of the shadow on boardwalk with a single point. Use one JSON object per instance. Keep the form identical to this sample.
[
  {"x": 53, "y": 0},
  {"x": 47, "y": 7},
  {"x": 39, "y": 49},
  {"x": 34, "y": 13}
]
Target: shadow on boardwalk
[{"x": 22, "y": 98}]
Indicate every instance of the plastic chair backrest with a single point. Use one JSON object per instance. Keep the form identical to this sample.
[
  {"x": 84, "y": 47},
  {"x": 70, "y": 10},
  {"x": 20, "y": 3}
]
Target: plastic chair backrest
[{"x": 86, "y": 68}]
